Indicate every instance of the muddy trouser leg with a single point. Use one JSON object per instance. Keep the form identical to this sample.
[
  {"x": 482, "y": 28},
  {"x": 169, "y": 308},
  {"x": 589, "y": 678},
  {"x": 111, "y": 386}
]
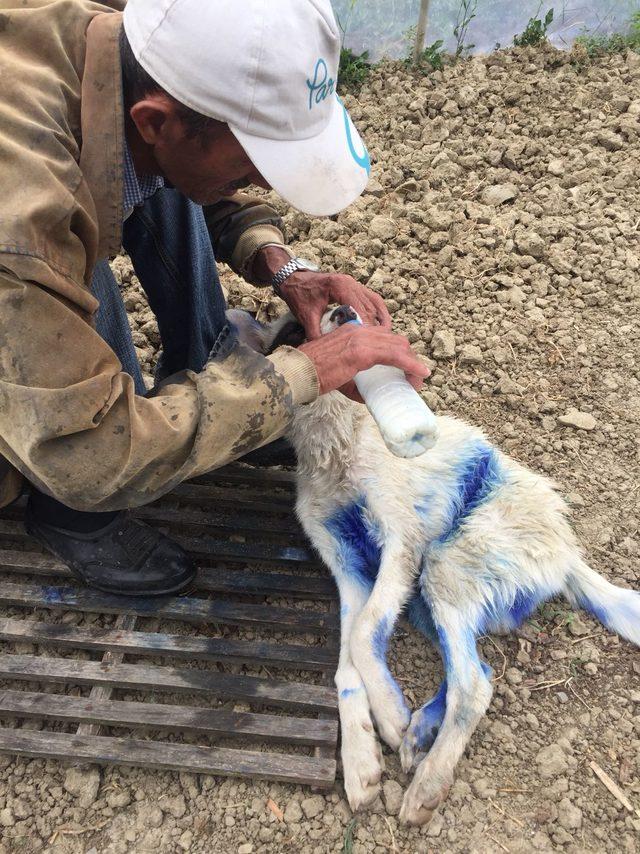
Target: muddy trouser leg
[{"x": 169, "y": 245}]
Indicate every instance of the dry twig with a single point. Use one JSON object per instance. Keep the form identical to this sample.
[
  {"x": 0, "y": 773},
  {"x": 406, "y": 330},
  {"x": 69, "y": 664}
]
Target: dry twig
[
  {"x": 275, "y": 809},
  {"x": 391, "y": 834},
  {"x": 586, "y": 637},
  {"x": 504, "y": 657},
  {"x": 612, "y": 786},
  {"x": 575, "y": 693},
  {"x": 493, "y": 839},
  {"x": 505, "y": 814}
]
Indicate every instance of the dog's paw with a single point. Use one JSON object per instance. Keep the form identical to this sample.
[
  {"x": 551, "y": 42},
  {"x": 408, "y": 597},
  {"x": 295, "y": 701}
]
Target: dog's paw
[
  {"x": 362, "y": 761},
  {"x": 427, "y": 791},
  {"x": 387, "y": 703},
  {"x": 392, "y": 722},
  {"x": 421, "y": 733}
]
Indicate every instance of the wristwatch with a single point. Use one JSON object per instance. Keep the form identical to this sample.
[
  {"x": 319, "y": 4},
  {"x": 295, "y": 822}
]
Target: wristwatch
[{"x": 290, "y": 267}]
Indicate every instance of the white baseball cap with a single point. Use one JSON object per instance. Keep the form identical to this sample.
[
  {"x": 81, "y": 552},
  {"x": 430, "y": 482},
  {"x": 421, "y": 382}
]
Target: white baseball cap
[{"x": 268, "y": 68}]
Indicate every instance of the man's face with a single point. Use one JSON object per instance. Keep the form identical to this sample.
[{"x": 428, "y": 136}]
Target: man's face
[{"x": 203, "y": 169}]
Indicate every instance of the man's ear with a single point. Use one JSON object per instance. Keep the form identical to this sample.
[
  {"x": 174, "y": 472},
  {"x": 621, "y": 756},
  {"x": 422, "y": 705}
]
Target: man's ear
[{"x": 150, "y": 117}]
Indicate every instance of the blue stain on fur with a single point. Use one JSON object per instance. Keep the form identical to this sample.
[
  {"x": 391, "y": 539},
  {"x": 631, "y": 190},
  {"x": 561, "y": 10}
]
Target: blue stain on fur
[
  {"x": 348, "y": 692},
  {"x": 460, "y": 670},
  {"x": 477, "y": 477},
  {"x": 597, "y": 610},
  {"x": 616, "y": 612},
  {"x": 379, "y": 642},
  {"x": 357, "y": 541},
  {"x": 418, "y": 613},
  {"x": 510, "y": 614},
  {"x": 380, "y": 638},
  {"x": 427, "y": 721}
]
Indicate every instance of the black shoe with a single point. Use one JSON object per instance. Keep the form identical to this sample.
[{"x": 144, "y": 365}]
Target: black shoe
[
  {"x": 125, "y": 557},
  {"x": 277, "y": 453}
]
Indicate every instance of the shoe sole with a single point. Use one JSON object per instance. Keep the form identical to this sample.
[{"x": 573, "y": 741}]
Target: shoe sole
[{"x": 183, "y": 589}]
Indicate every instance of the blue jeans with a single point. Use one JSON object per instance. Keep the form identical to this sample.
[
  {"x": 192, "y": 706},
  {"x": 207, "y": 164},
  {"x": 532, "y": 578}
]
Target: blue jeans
[{"x": 168, "y": 243}]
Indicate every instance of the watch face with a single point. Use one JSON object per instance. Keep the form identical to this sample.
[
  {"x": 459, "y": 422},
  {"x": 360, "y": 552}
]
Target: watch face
[{"x": 308, "y": 265}]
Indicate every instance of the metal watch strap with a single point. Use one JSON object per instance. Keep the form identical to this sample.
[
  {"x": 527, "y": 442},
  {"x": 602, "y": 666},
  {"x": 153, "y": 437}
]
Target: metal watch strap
[{"x": 283, "y": 274}]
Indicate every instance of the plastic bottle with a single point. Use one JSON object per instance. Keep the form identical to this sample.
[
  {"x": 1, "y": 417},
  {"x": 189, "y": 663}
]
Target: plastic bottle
[{"x": 407, "y": 425}]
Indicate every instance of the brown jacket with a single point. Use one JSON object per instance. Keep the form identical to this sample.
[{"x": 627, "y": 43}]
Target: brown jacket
[{"x": 69, "y": 419}]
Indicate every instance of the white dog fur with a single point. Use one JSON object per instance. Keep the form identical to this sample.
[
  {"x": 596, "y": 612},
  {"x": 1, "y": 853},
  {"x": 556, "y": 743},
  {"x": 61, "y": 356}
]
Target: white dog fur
[{"x": 464, "y": 541}]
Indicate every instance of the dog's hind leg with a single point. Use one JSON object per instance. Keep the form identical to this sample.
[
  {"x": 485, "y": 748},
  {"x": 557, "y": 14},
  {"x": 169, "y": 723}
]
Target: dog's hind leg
[
  {"x": 466, "y": 698},
  {"x": 370, "y": 637}
]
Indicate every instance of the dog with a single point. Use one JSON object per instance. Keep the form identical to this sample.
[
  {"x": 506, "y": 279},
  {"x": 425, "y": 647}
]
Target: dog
[{"x": 463, "y": 541}]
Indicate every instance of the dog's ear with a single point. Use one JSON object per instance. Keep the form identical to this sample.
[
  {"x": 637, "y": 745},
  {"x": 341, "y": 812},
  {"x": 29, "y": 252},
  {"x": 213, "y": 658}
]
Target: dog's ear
[
  {"x": 290, "y": 332},
  {"x": 265, "y": 337},
  {"x": 250, "y": 331}
]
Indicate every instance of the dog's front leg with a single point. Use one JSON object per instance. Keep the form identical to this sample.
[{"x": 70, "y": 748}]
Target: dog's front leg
[
  {"x": 371, "y": 634},
  {"x": 362, "y": 762}
]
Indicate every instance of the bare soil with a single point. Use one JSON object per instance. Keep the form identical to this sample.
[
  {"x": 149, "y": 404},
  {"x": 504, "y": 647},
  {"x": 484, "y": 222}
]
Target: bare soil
[{"x": 502, "y": 225}]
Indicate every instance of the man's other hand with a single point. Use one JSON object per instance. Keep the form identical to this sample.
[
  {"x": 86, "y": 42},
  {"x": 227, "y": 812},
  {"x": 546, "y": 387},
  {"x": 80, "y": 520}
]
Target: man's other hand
[{"x": 308, "y": 294}]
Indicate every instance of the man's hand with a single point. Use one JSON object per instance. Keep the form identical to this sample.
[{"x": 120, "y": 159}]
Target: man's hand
[
  {"x": 308, "y": 294},
  {"x": 340, "y": 355}
]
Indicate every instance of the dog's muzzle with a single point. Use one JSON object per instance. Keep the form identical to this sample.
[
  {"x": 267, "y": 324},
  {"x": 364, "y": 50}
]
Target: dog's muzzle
[{"x": 343, "y": 314}]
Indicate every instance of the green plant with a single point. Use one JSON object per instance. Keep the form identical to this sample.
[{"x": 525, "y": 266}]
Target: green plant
[
  {"x": 354, "y": 67},
  {"x": 347, "y": 848},
  {"x": 536, "y": 30},
  {"x": 344, "y": 27},
  {"x": 598, "y": 45},
  {"x": 353, "y": 70},
  {"x": 432, "y": 56},
  {"x": 466, "y": 14}
]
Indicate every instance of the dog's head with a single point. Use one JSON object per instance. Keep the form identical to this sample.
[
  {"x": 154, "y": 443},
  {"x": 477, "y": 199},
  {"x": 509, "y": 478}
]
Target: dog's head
[{"x": 266, "y": 337}]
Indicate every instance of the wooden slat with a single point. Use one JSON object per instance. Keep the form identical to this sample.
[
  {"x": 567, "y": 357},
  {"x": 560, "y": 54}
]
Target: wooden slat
[
  {"x": 260, "y": 501},
  {"x": 210, "y": 547},
  {"x": 243, "y": 474},
  {"x": 256, "y": 583},
  {"x": 232, "y": 651},
  {"x": 263, "y": 552},
  {"x": 198, "y": 720},
  {"x": 125, "y": 622},
  {"x": 169, "y": 757},
  {"x": 212, "y": 580},
  {"x": 182, "y": 608},
  {"x": 283, "y": 526},
  {"x": 213, "y": 519},
  {"x": 293, "y": 695},
  {"x": 326, "y": 751}
]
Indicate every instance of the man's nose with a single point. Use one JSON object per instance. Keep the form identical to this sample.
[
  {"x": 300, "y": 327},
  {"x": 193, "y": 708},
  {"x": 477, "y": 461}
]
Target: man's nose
[{"x": 343, "y": 314}]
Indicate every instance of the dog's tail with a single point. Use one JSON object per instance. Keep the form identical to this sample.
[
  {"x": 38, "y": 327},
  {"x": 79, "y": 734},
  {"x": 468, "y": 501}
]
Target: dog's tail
[{"x": 616, "y": 607}]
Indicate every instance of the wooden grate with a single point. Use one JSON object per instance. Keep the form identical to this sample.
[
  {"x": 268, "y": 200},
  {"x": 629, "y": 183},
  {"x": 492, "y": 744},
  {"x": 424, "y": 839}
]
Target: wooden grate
[{"x": 232, "y": 679}]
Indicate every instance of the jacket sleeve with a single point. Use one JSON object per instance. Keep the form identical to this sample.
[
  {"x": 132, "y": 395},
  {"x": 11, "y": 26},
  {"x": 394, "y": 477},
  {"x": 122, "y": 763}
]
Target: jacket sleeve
[
  {"x": 72, "y": 424},
  {"x": 238, "y": 227}
]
